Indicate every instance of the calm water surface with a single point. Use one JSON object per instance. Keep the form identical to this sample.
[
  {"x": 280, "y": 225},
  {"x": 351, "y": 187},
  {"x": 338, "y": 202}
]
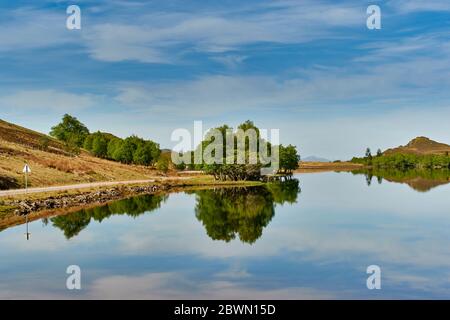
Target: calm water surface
[{"x": 312, "y": 240}]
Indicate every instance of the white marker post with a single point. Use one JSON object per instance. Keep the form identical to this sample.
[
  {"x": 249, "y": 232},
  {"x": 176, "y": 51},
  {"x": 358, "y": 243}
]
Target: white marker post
[
  {"x": 26, "y": 170},
  {"x": 27, "y": 234}
]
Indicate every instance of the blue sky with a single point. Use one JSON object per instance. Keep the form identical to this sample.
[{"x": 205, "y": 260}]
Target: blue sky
[{"x": 309, "y": 68}]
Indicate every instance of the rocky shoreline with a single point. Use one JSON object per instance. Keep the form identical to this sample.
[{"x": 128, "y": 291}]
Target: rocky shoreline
[{"x": 25, "y": 207}]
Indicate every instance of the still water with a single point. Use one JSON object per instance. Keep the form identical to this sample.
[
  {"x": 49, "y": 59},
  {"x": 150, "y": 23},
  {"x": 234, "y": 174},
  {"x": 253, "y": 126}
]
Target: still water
[{"x": 312, "y": 238}]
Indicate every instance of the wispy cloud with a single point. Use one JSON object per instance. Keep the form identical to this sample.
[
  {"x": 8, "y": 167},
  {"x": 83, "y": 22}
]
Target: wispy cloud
[
  {"x": 28, "y": 28},
  {"x": 29, "y": 100},
  {"x": 178, "y": 286},
  {"x": 186, "y": 60},
  {"x": 411, "y": 6},
  {"x": 158, "y": 36}
]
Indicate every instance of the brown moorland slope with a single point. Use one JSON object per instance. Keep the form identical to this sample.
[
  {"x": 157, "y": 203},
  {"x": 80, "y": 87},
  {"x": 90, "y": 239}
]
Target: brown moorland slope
[
  {"x": 421, "y": 146},
  {"x": 52, "y": 165}
]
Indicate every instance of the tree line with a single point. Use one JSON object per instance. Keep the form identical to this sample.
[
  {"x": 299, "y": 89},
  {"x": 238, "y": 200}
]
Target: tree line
[
  {"x": 404, "y": 161},
  {"x": 131, "y": 150},
  {"x": 135, "y": 150}
]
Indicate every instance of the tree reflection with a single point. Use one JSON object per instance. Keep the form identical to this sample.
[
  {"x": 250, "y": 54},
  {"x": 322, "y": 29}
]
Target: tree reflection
[
  {"x": 243, "y": 212},
  {"x": 72, "y": 224},
  {"x": 225, "y": 212},
  {"x": 421, "y": 180}
]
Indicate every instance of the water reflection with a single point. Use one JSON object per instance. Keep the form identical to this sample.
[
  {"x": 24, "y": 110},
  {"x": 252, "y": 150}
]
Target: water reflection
[
  {"x": 72, "y": 224},
  {"x": 421, "y": 180},
  {"x": 27, "y": 233},
  {"x": 243, "y": 212},
  {"x": 319, "y": 247},
  {"x": 224, "y": 212}
]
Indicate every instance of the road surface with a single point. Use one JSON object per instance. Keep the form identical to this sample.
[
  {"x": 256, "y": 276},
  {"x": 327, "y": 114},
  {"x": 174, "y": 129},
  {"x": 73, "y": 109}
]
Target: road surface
[{"x": 81, "y": 186}]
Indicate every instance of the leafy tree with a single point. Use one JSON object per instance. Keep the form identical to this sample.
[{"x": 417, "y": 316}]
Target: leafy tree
[
  {"x": 125, "y": 151},
  {"x": 163, "y": 163},
  {"x": 145, "y": 153},
  {"x": 114, "y": 146},
  {"x": 100, "y": 146},
  {"x": 369, "y": 156},
  {"x": 247, "y": 125},
  {"x": 289, "y": 158},
  {"x": 70, "y": 130},
  {"x": 88, "y": 142},
  {"x": 379, "y": 153}
]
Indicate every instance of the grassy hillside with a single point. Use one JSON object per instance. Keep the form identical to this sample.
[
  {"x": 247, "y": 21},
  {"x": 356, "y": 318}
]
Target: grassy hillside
[
  {"x": 421, "y": 146},
  {"x": 51, "y": 164}
]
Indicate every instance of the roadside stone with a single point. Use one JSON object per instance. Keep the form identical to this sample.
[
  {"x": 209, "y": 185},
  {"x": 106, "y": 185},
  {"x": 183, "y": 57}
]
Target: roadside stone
[{"x": 101, "y": 196}]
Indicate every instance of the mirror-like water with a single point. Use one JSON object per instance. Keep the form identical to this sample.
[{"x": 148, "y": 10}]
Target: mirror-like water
[{"x": 308, "y": 238}]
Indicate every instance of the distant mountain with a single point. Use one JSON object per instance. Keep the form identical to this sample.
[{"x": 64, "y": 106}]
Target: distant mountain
[
  {"x": 315, "y": 159},
  {"x": 421, "y": 146}
]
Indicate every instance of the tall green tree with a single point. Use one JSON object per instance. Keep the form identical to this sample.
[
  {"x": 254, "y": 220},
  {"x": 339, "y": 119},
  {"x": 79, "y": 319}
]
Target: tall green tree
[
  {"x": 289, "y": 158},
  {"x": 70, "y": 130},
  {"x": 379, "y": 153},
  {"x": 146, "y": 153},
  {"x": 100, "y": 146},
  {"x": 114, "y": 146},
  {"x": 125, "y": 151}
]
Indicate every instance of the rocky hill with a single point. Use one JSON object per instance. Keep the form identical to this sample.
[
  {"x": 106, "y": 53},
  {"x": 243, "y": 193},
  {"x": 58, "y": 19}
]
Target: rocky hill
[{"x": 421, "y": 146}]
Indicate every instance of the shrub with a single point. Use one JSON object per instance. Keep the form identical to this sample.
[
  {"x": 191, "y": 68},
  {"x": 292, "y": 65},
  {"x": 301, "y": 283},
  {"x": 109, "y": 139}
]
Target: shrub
[{"x": 163, "y": 164}]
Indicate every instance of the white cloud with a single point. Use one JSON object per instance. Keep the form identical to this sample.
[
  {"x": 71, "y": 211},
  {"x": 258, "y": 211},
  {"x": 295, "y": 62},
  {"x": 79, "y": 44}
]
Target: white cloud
[
  {"x": 157, "y": 37},
  {"x": 27, "y": 28},
  {"x": 230, "y": 60},
  {"x": 28, "y": 100},
  {"x": 177, "y": 286},
  {"x": 411, "y": 6},
  {"x": 112, "y": 43},
  {"x": 161, "y": 37},
  {"x": 410, "y": 83}
]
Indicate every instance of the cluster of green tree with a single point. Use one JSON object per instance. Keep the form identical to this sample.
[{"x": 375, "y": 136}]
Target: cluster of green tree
[
  {"x": 132, "y": 150},
  {"x": 405, "y": 161},
  {"x": 72, "y": 224},
  {"x": 227, "y": 167},
  {"x": 244, "y": 212}
]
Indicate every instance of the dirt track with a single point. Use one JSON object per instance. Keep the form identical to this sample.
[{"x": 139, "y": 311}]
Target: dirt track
[{"x": 83, "y": 186}]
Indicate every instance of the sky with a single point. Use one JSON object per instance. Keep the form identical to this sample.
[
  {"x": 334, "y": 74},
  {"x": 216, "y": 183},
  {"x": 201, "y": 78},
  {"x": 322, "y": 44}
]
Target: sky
[{"x": 311, "y": 69}]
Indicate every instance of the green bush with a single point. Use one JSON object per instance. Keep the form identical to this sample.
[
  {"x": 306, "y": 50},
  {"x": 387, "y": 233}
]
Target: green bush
[{"x": 163, "y": 164}]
